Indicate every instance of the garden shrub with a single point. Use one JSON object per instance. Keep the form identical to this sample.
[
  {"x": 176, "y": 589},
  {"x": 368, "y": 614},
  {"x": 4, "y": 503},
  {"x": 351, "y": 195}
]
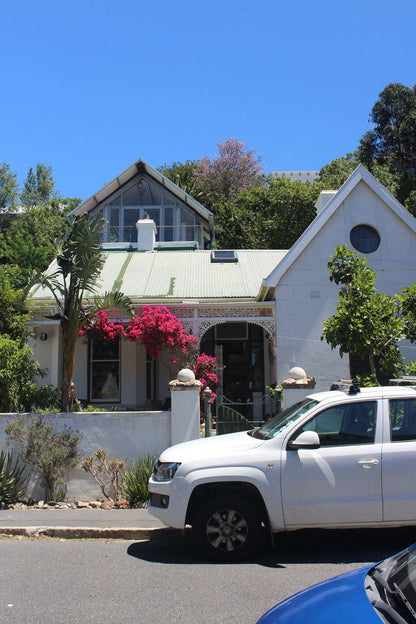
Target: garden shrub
[
  {"x": 138, "y": 472},
  {"x": 11, "y": 479},
  {"x": 52, "y": 453}
]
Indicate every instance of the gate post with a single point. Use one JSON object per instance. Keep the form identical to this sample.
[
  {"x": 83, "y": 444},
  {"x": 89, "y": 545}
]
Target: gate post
[{"x": 185, "y": 414}]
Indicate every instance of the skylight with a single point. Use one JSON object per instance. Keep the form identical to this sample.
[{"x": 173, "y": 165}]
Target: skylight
[{"x": 224, "y": 255}]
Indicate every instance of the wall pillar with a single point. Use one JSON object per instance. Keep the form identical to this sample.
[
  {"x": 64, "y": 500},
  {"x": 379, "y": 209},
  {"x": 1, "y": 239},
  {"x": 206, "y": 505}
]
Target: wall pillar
[{"x": 185, "y": 418}]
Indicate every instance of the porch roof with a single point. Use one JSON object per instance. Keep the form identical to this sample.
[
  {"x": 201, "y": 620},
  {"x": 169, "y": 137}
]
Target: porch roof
[{"x": 177, "y": 276}]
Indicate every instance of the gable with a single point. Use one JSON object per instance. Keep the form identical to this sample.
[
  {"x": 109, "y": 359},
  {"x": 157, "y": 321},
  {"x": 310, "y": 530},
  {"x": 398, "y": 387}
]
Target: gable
[
  {"x": 143, "y": 192},
  {"x": 361, "y": 200}
]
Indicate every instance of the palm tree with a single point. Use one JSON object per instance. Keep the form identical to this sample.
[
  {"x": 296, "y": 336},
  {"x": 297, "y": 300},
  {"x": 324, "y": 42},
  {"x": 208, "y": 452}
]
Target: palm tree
[{"x": 79, "y": 262}]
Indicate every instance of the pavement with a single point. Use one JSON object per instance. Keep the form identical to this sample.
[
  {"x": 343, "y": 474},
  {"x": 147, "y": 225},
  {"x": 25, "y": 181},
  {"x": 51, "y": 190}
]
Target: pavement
[{"x": 130, "y": 524}]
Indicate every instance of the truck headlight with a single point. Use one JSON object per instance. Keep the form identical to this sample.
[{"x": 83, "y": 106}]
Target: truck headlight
[{"x": 164, "y": 471}]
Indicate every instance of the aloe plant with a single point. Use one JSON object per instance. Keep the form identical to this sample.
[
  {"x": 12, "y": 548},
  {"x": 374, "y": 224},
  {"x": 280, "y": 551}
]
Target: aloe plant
[
  {"x": 11, "y": 479},
  {"x": 136, "y": 480}
]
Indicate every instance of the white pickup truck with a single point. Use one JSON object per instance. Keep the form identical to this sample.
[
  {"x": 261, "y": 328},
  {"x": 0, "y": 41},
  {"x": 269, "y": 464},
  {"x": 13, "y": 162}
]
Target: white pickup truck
[{"x": 334, "y": 460}]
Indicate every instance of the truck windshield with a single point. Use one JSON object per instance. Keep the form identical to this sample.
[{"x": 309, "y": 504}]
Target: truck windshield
[{"x": 283, "y": 419}]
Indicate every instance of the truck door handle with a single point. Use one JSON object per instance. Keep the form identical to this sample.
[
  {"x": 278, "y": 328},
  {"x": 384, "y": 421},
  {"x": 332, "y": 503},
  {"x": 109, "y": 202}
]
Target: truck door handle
[{"x": 367, "y": 463}]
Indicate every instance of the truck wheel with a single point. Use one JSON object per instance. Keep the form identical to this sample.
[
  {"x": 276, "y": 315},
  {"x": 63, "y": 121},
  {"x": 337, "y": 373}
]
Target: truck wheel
[{"x": 226, "y": 528}]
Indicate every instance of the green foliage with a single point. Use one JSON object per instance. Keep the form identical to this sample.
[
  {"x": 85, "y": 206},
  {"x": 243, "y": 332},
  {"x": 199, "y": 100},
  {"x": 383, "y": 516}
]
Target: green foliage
[
  {"x": 13, "y": 309},
  {"x": 408, "y": 307},
  {"x": 108, "y": 473},
  {"x": 272, "y": 217},
  {"x": 184, "y": 176},
  {"x": 136, "y": 480},
  {"x": 79, "y": 260},
  {"x": 11, "y": 479},
  {"x": 391, "y": 144},
  {"x": 366, "y": 323},
  {"x": 28, "y": 241},
  {"x": 52, "y": 452},
  {"x": 39, "y": 187},
  {"x": 18, "y": 375},
  {"x": 8, "y": 188},
  {"x": 334, "y": 174}
]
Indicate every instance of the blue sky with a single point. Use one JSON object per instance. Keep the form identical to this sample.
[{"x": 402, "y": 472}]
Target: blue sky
[{"x": 89, "y": 86}]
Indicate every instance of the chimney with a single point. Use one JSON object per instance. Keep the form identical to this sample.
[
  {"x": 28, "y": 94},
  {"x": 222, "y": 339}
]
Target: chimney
[
  {"x": 323, "y": 199},
  {"x": 146, "y": 234}
]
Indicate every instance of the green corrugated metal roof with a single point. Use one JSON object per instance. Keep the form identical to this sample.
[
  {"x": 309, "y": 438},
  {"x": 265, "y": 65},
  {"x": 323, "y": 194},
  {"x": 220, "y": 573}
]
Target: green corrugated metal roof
[{"x": 180, "y": 275}]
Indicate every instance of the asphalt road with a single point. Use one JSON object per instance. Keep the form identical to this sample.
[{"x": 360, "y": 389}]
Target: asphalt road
[{"x": 46, "y": 581}]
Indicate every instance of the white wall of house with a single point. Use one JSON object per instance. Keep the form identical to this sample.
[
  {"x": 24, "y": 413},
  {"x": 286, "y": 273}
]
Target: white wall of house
[
  {"x": 124, "y": 435},
  {"x": 305, "y": 296}
]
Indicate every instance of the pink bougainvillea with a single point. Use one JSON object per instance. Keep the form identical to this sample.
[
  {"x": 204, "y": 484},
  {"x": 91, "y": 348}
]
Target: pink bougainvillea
[
  {"x": 205, "y": 370},
  {"x": 107, "y": 329},
  {"x": 158, "y": 330}
]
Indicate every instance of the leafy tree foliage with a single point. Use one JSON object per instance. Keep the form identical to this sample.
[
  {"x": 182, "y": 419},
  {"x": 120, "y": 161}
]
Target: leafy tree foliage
[
  {"x": 18, "y": 376},
  {"x": 28, "y": 241},
  {"x": 79, "y": 260},
  {"x": 334, "y": 174},
  {"x": 13, "y": 307},
  {"x": 39, "y": 187},
  {"x": 8, "y": 188},
  {"x": 366, "y": 323},
  {"x": 271, "y": 217},
  {"x": 184, "y": 176},
  {"x": 392, "y": 142},
  {"x": 236, "y": 168}
]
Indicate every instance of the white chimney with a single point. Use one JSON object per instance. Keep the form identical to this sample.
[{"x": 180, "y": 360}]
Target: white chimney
[
  {"x": 323, "y": 199},
  {"x": 146, "y": 234}
]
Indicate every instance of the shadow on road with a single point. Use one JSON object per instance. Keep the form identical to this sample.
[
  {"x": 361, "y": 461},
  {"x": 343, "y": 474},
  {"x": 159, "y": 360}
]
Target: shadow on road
[{"x": 306, "y": 546}]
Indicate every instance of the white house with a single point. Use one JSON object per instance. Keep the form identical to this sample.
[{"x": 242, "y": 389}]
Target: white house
[{"x": 259, "y": 311}]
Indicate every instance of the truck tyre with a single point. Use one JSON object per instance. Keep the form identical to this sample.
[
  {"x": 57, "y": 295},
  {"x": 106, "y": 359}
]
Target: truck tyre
[{"x": 226, "y": 528}]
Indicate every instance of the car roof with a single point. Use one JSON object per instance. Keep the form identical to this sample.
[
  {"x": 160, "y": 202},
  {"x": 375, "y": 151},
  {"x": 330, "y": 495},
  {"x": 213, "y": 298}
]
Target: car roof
[{"x": 374, "y": 392}]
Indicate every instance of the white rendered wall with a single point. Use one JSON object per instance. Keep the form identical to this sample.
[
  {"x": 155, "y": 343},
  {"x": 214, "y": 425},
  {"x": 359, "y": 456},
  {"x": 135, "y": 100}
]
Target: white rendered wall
[{"x": 305, "y": 297}]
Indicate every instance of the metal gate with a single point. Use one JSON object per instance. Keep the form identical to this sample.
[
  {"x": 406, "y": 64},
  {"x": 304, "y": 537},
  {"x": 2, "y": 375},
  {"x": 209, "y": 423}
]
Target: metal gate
[{"x": 231, "y": 416}]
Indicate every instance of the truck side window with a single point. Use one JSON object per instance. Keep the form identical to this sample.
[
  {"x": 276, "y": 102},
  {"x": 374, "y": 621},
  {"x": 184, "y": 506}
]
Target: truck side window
[
  {"x": 402, "y": 419},
  {"x": 350, "y": 423}
]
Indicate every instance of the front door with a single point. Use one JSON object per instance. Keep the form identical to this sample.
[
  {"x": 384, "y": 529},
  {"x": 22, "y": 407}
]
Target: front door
[{"x": 340, "y": 482}]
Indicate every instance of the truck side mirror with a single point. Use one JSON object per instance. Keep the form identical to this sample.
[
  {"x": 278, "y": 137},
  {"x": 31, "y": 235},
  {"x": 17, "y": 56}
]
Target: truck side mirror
[{"x": 305, "y": 440}]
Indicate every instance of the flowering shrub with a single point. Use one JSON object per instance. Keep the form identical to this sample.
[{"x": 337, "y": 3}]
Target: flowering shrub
[
  {"x": 102, "y": 325},
  {"x": 205, "y": 370},
  {"x": 158, "y": 330}
]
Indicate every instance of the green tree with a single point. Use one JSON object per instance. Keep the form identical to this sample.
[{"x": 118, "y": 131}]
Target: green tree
[
  {"x": 19, "y": 375},
  {"x": 28, "y": 241},
  {"x": 79, "y": 262},
  {"x": 392, "y": 141},
  {"x": 271, "y": 217},
  {"x": 333, "y": 175},
  {"x": 13, "y": 308},
  {"x": 39, "y": 187},
  {"x": 366, "y": 323},
  {"x": 184, "y": 176},
  {"x": 9, "y": 187}
]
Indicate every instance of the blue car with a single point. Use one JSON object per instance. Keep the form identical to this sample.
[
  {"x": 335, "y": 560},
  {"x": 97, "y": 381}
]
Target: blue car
[{"x": 385, "y": 593}]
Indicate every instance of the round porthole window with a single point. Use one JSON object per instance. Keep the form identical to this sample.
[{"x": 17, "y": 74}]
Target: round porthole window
[{"x": 364, "y": 238}]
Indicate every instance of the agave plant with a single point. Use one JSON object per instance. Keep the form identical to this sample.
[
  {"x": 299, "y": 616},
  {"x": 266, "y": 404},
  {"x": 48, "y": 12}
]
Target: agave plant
[
  {"x": 11, "y": 479},
  {"x": 136, "y": 480}
]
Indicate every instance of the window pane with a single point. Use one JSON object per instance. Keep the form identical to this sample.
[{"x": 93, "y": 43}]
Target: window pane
[
  {"x": 102, "y": 350},
  {"x": 351, "y": 423},
  {"x": 403, "y": 419},
  {"x": 105, "y": 381},
  {"x": 131, "y": 216},
  {"x": 132, "y": 196}
]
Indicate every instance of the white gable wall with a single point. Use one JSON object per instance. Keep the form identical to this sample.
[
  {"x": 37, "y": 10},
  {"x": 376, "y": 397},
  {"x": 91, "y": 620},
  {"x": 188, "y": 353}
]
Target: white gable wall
[{"x": 305, "y": 296}]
